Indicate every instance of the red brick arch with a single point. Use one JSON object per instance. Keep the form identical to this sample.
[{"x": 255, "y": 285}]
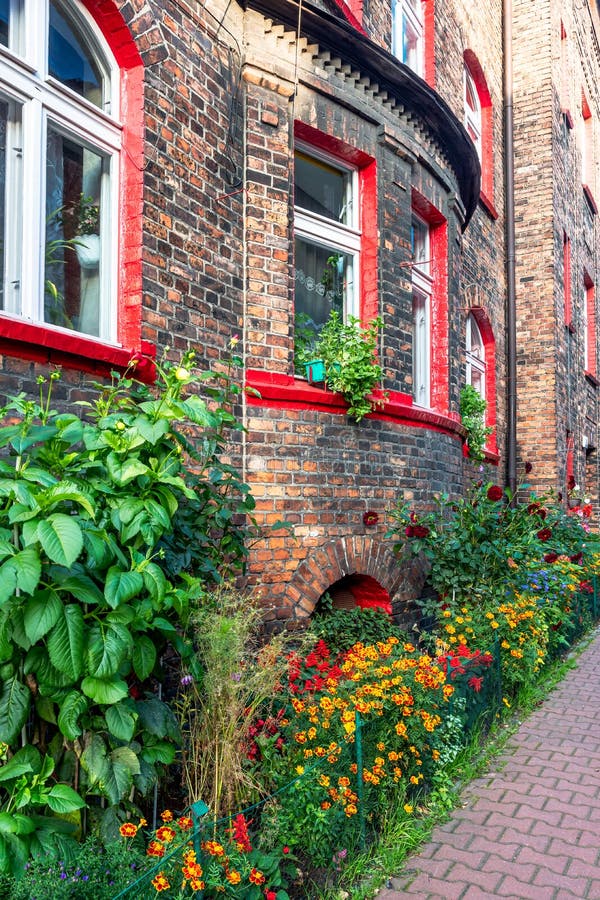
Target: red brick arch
[{"x": 401, "y": 578}]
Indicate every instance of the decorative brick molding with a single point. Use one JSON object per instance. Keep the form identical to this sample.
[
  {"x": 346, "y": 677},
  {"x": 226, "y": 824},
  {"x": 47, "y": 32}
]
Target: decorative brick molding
[{"x": 402, "y": 578}]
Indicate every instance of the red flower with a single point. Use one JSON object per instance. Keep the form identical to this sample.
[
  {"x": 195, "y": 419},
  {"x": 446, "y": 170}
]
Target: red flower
[
  {"x": 370, "y": 518},
  {"x": 495, "y": 493},
  {"x": 587, "y": 510},
  {"x": 528, "y": 468},
  {"x": 256, "y": 877},
  {"x": 533, "y": 508},
  {"x": 475, "y": 682},
  {"x": 550, "y": 557},
  {"x": 270, "y": 895},
  {"x": 409, "y": 531},
  {"x": 544, "y": 534},
  {"x": 420, "y": 531},
  {"x": 577, "y": 558},
  {"x": 286, "y": 850}
]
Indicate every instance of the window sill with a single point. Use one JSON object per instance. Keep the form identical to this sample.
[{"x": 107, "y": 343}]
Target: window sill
[
  {"x": 587, "y": 193},
  {"x": 593, "y": 379},
  {"x": 569, "y": 121},
  {"x": 286, "y": 392},
  {"x": 41, "y": 343},
  {"x": 488, "y": 205}
]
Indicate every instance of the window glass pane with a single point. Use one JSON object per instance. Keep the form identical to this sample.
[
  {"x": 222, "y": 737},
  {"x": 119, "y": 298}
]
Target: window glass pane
[
  {"x": 70, "y": 60},
  {"x": 410, "y": 46},
  {"x": 420, "y": 353},
  {"x": 73, "y": 243},
  {"x": 4, "y": 13},
  {"x": 323, "y": 282},
  {"x": 419, "y": 237},
  {"x": 322, "y": 189}
]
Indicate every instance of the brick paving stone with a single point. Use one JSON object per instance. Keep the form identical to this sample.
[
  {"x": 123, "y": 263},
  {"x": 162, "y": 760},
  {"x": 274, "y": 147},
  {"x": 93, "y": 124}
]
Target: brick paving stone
[{"x": 529, "y": 830}]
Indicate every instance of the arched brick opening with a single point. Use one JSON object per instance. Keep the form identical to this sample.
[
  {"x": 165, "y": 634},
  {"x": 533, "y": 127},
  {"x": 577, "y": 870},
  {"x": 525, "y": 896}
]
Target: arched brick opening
[
  {"x": 375, "y": 568},
  {"x": 359, "y": 590}
]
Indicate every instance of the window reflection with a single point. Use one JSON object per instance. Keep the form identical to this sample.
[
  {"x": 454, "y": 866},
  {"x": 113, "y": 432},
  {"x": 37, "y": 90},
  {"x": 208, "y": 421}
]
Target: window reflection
[
  {"x": 73, "y": 243},
  {"x": 4, "y": 13},
  {"x": 71, "y": 61}
]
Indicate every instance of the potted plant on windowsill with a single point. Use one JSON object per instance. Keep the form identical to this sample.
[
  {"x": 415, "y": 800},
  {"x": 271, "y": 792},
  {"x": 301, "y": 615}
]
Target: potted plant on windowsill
[{"x": 348, "y": 354}]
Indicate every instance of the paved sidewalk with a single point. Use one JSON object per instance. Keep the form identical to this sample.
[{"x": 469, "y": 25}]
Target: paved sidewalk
[{"x": 531, "y": 827}]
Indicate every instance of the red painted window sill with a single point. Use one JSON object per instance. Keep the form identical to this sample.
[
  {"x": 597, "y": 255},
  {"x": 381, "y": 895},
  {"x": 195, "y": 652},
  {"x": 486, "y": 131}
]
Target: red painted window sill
[
  {"x": 73, "y": 351},
  {"x": 286, "y": 392},
  {"x": 488, "y": 205}
]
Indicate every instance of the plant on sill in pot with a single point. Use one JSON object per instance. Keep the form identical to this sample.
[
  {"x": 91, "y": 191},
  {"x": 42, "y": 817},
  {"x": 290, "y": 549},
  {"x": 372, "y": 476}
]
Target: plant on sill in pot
[
  {"x": 472, "y": 409},
  {"x": 349, "y": 354}
]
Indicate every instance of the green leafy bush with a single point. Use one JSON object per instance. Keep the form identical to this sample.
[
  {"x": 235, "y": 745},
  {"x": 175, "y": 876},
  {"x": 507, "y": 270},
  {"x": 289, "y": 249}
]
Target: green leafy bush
[
  {"x": 472, "y": 414},
  {"x": 342, "y": 628}
]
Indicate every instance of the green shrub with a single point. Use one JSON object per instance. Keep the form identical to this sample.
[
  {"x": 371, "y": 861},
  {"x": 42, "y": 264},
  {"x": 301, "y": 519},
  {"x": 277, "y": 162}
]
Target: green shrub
[{"x": 342, "y": 628}]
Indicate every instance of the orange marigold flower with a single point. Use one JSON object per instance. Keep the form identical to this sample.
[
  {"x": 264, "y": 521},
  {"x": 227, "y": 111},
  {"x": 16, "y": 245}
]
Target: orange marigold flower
[
  {"x": 167, "y": 815},
  {"x": 234, "y": 877},
  {"x": 128, "y": 829},
  {"x": 142, "y": 822},
  {"x": 213, "y": 848},
  {"x": 325, "y": 804},
  {"x": 256, "y": 877},
  {"x": 191, "y": 871},
  {"x": 165, "y": 833},
  {"x": 185, "y": 823},
  {"x": 155, "y": 848},
  {"x": 197, "y": 885},
  {"x": 160, "y": 883}
]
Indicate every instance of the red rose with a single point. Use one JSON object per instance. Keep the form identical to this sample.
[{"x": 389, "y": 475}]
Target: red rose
[
  {"x": 420, "y": 531},
  {"x": 544, "y": 534},
  {"x": 577, "y": 558},
  {"x": 495, "y": 493},
  {"x": 551, "y": 557},
  {"x": 409, "y": 531},
  {"x": 370, "y": 518},
  {"x": 533, "y": 508}
]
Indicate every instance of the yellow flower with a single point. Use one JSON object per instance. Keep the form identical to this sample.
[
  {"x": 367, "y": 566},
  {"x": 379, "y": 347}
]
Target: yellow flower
[
  {"x": 408, "y": 808},
  {"x": 300, "y": 770}
]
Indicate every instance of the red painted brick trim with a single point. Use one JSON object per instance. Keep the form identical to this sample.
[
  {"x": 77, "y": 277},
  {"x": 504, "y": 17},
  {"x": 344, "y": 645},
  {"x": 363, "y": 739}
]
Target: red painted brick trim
[
  {"x": 587, "y": 193},
  {"x": 488, "y": 206},
  {"x": 487, "y": 136},
  {"x": 286, "y": 392},
  {"x": 353, "y": 11},
  {"x": 429, "y": 41},
  {"x": 71, "y": 350}
]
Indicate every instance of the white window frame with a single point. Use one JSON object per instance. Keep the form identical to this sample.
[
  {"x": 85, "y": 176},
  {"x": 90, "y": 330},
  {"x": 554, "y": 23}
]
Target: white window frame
[
  {"x": 473, "y": 120},
  {"x": 325, "y": 232},
  {"x": 422, "y": 289},
  {"x": 408, "y": 14},
  {"x": 473, "y": 360},
  {"x": 44, "y": 101}
]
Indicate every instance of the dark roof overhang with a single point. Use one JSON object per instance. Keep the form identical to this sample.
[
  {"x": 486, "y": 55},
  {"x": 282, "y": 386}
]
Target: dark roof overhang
[{"x": 338, "y": 36}]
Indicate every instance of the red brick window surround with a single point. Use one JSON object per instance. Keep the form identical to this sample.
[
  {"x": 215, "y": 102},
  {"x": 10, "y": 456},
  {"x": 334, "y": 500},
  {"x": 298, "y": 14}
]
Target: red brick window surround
[
  {"x": 413, "y": 36},
  {"x": 430, "y": 284},
  {"x": 589, "y": 363},
  {"x": 74, "y": 189},
  {"x": 588, "y": 157},
  {"x": 478, "y": 120},
  {"x": 353, "y": 11},
  {"x": 480, "y": 347},
  {"x": 335, "y": 219},
  {"x": 567, "y": 296}
]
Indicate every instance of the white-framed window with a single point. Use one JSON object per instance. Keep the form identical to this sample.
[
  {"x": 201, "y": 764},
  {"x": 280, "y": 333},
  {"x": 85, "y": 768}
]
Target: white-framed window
[
  {"x": 473, "y": 115},
  {"x": 422, "y": 284},
  {"x": 407, "y": 33},
  {"x": 475, "y": 356},
  {"x": 327, "y": 238},
  {"x": 60, "y": 142}
]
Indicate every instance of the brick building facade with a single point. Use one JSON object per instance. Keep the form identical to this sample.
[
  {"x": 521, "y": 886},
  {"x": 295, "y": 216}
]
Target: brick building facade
[{"x": 237, "y": 153}]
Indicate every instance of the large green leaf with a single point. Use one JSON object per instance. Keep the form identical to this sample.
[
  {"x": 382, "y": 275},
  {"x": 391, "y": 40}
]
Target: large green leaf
[
  {"x": 71, "y": 709},
  {"x": 158, "y": 718},
  {"x": 63, "y": 799},
  {"x": 144, "y": 656},
  {"x": 41, "y": 613},
  {"x": 65, "y": 642},
  {"x": 62, "y": 538},
  {"x": 106, "y": 650},
  {"x": 117, "y": 781},
  {"x": 121, "y": 586},
  {"x": 127, "y": 757},
  {"x": 121, "y": 721},
  {"x": 27, "y": 570},
  {"x": 67, "y": 491},
  {"x": 155, "y": 582},
  {"x": 162, "y": 752},
  {"x": 8, "y": 581},
  {"x": 14, "y": 768},
  {"x": 94, "y": 759},
  {"x": 104, "y": 690},
  {"x": 151, "y": 431},
  {"x": 14, "y": 709},
  {"x": 83, "y": 588},
  {"x": 122, "y": 471}
]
